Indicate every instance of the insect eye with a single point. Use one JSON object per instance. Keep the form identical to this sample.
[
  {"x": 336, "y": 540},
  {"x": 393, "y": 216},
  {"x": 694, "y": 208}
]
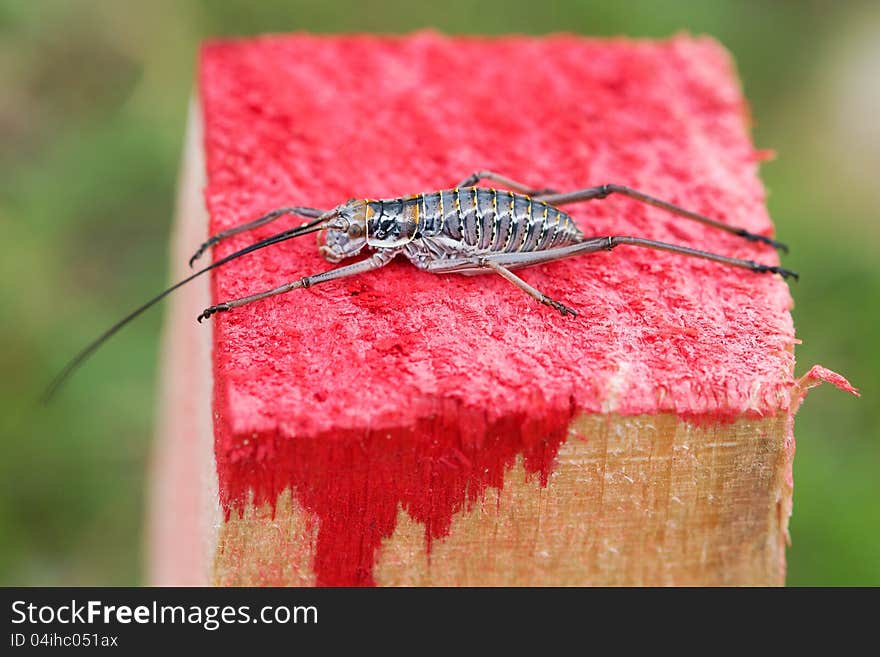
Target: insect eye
[{"x": 355, "y": 230}]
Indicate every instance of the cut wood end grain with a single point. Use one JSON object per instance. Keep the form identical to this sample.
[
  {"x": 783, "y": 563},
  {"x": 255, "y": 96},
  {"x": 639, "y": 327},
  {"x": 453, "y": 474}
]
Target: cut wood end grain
[{"x": 644, "y": 500}]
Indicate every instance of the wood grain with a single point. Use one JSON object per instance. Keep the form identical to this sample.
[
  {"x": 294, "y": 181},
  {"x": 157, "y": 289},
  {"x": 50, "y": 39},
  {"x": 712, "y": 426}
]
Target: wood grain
[{"x": 644, "y": 500}]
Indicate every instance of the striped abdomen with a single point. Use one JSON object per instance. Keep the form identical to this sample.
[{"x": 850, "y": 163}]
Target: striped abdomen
[
  {"x": 501, "y": 221},
  {"x": 488, "y": 219}
]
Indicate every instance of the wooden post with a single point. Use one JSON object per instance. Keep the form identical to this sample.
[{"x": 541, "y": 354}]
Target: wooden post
[{"x": 402, "y": 428}]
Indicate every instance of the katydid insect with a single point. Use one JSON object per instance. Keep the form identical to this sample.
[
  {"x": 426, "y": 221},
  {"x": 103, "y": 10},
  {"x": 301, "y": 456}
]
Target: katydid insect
[{"x": 466, "y": 230}]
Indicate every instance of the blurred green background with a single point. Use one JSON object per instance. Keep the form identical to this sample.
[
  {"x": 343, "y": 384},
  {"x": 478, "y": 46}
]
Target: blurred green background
[{"x": 92, "y": 110}]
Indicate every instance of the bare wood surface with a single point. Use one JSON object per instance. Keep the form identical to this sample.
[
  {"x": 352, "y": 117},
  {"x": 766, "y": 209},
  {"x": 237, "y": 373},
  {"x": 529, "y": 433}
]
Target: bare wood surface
[
  {"x": 184, "y": 510},
  {"x": 645, "y": 500}
]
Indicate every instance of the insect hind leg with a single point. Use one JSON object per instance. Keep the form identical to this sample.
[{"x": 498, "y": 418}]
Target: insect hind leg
[
  {"x": 604, "y": 191},
  {"x": 596, "y": 244},
  {"x": 477, "y": 176}
]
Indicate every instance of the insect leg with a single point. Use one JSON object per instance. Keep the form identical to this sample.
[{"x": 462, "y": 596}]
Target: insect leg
[
  {"x": 376, "y": 261},
  {"x": 594, "y": 244},
  {"x": 603, "y": 191},
  {"x": 477, "y": 264},
  {"x": 528, "y": 289},
  {"x": 311, "y": 213},
  {"x": 477, "y": 176}
]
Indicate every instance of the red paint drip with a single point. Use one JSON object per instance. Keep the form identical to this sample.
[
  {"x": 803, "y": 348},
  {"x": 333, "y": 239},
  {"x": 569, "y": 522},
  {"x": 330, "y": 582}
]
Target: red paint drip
[
  {"x": 355, "y": 482},
  {"x": 401, "y": 388}
]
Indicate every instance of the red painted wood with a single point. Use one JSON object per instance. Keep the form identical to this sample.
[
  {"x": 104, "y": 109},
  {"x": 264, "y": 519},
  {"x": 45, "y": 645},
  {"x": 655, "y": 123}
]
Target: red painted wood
[{"x": 405, "y": 389}]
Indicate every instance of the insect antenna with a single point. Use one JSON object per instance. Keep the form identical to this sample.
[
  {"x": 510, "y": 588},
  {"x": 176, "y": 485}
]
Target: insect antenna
[{"x": 82, "y": 356}]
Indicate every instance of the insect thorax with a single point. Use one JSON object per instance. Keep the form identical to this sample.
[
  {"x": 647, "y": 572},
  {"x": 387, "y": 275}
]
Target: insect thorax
[{"x": 392, "y": 223}]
